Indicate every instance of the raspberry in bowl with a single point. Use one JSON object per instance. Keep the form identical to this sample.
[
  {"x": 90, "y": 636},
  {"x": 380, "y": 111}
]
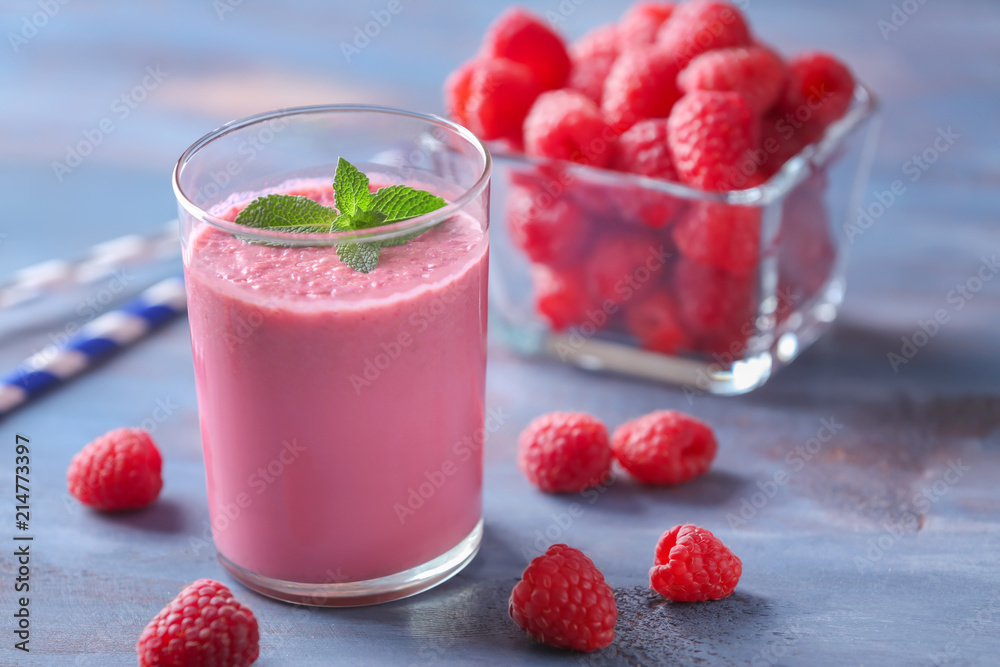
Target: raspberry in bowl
[{"x": 678, "y": 202}]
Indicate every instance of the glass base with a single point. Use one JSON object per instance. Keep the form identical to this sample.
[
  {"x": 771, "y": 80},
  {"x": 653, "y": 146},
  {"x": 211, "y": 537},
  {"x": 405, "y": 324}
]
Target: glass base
[
  {"x": 373, "y": 591},
  {"x": 697, "y": 377}
]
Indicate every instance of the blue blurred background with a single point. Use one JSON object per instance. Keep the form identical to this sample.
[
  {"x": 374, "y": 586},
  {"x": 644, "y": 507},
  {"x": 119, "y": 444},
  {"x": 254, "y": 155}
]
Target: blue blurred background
[{"x": 68, "y": 68}]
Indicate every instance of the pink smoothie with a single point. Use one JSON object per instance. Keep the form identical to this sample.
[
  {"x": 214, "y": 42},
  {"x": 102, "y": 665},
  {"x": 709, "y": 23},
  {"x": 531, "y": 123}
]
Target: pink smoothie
[{"x": 337, "y": 407}]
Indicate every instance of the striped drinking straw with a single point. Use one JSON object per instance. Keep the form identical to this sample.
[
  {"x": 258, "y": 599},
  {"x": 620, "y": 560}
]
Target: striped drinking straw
[
  {"x": 41, "y": 280},
  {"x": 95, "y": 341}
]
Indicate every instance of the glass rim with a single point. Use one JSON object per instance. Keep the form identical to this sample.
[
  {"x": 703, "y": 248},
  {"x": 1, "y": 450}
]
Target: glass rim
[
  {"x": 793, "y": 172},
  {"x": 386, "y": 232}
]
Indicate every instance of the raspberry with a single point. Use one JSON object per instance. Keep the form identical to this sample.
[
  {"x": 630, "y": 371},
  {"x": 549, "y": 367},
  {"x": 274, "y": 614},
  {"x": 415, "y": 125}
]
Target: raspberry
[
  {"x": 566, "y": 125},
  {"x": 500, "y": 93},
  {"x": 593, "y": 198},
  {"x": 563, "y": 601},
  {"x": 700, "y": 26},
  {"x": 710, "y": 135},
  {"x": 655, "y": 321},
  {"x": 561, "y": 296},
  {"x": 639, "y": 25},
  {"x": 691, "y": 565},
  {"x": 551, "y": 230},
  {"x": 551, "y": 180},
  {"x": 664, "y": 447},
  {"x": 650, "y": 207},
  {"x": 623, "y": 264},
  {"x": 564, "y": 452},
  {"x": 118, "y": 471},
  {"x": 456, "y": 91},
  {"x": 204, "y": 626},
  {"x": 781, "y": 139},
  {"x": 519, "y": 35},
  {"x": 642, "y": 84},
  {"x": 716, "y": 306},
  {"x": 592, "y": 56},
  {"x": 724, "y": 345},
  {"x": 724, "y": 236},
  {"x": 820, "y": 89},
  {"x": 643, "y": 150},
  {"x": 756, "y": 73}
]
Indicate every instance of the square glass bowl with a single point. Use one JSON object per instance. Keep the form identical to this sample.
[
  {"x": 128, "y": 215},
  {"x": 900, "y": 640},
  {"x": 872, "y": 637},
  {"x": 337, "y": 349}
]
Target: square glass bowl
[{"x": 711, "y": 291}]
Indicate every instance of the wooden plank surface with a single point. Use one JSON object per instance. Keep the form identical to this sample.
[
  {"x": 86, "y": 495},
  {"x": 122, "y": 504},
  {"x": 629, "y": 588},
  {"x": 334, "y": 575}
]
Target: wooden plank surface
[{"x": 880, "y": 549}]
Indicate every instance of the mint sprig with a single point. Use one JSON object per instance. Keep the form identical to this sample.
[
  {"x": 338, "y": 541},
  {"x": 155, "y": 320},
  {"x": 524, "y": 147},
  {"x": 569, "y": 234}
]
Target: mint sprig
[
  {"x": 350, "y": 189},
  {"x": 287, "y": 213},
  {"x": 357, "y": 209}
]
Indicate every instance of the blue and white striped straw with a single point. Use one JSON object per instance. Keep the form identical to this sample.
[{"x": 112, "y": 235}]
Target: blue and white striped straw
[
  {"x": 95, "y": 341},
  {"x": 40, "y": 280}
]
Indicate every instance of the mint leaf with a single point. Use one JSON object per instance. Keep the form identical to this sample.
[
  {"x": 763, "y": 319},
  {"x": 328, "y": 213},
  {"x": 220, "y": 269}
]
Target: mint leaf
[
  {"x": 367, "y": 219},
  {"x": 400, "y": 202},
  {"x": 360, "y": 256},
  {"x": 287, "y": 213},
  {"x": 350, "y": 189},
  {"x": 357, "y": 210}
]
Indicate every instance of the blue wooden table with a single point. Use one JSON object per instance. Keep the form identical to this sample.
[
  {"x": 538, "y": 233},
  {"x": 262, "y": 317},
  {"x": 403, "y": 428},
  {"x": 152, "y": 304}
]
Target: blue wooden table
[{"x": 862, "y": 498}]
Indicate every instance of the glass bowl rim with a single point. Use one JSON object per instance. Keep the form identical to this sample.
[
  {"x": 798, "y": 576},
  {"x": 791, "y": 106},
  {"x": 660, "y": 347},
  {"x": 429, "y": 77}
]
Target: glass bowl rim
[{"x": 864, "y": 105}]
